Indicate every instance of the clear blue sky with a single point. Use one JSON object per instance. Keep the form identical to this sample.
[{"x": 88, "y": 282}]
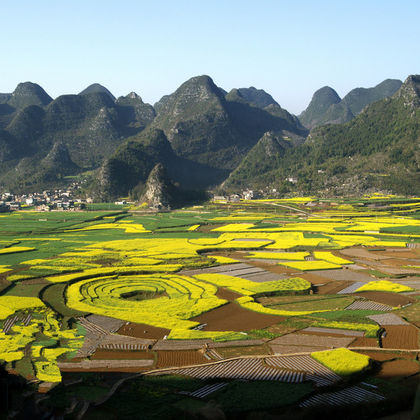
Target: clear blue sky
[{"x": 289, "y": 48}]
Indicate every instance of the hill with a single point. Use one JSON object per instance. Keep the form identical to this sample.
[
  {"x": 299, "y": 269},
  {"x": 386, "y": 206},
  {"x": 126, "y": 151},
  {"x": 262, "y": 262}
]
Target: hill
[
  {"x": 378, "y": 149},
  {"x": 73, "y": 133},
  {"x": 201, "y": 132},
  {"x": 326, "y": 107}
]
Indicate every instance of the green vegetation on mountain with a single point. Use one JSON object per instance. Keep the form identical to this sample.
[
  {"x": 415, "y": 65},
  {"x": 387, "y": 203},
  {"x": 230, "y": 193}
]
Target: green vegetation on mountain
[
  {"x": 201, "y": 132},
  {"x": 262, "y": 158},
  {"x": 377, "y": 149},
  {"x": 326, "y": 107},
  {"x": 252, "y": 96},
  {"x": 358, "y": 98},
  {"x": 321, "y": 100},
  {"x": 97, "y": 88},
  {"x": 134, "y": 112},
  {"x": 87, "y": 127}
]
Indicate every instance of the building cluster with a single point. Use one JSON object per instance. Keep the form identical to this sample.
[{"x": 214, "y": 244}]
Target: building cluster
[
  {"x": 234, "y": 198},
  {"x": 42, "y": 201}
]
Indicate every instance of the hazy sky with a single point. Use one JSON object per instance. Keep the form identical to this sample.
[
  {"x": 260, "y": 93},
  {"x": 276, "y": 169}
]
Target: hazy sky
[{"x": 288, "y": 48}]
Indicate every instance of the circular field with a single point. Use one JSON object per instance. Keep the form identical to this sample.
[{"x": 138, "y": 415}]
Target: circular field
[{"x": 179, "y": 299}]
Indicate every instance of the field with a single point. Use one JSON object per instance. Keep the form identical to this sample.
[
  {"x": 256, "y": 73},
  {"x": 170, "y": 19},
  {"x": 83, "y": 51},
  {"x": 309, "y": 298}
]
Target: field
[{"x": 235, "y": 283}]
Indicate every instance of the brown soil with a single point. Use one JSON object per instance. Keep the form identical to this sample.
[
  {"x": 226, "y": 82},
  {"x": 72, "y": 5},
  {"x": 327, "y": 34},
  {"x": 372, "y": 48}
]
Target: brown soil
[
  {"x": 278, "y": 269},
  {"x": 281, "y": 329},
  {"x": 332, "y": 288},
  {"x": 321, "y": 334},
  {"x": 399, "y": 262},
  {"x": 227, "y": 294},
  {"x": 120, "y": 369},
  {"x": 401, "y": 254},
  {"x": 209, "y": 227},
  {"x": 143, "y": 331},
  {"x": 398, "y": 368},
  {"x": 228, "y": 352},
  {"x": 313, "y": 340},
  {"x": 34, "y": 281},
  {"x": 387, "y": 298},
  {"x": 364, "y": 342},
  {"x": 361, "y": 253},
  {"x": 382, "y": 356},
  {"x": 179, "y": 358},
  {"x": 232, "y": 317},
  {"x": 314, "y": 279},
  {"x": 400, "y": 337},
  {"x": 121, "y": 355}
]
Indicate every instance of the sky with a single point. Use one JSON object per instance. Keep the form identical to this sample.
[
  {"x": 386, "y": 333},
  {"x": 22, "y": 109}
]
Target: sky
[{"x": 288, "y": 48}]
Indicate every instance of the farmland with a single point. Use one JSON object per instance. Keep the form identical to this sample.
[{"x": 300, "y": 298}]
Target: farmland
[{"x": 271, "y": 291}]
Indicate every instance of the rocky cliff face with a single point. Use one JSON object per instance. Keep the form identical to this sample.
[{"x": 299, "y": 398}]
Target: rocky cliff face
[{"x": 159, "y": 192}]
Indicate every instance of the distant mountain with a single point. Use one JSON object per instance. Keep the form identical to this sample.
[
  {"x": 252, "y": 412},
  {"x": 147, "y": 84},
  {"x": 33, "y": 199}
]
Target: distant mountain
[
  {"x": 208, "y": 136},
  {"x": 378, "y": 149},
  {"x": 358, "y": 98},
  {"x": 27, "y": 94},
  {"x": 264, "y": 157},
  {"x": 252, "y": 96},
  {"x": 133, "y": 111},
  {"x": 204, "y": 137},
  {"x": 97, "y": 88},
  {"x": 321, "y": 101},
  {"x": 88, "y": 127},
  {"x": 326, "y": 107}
]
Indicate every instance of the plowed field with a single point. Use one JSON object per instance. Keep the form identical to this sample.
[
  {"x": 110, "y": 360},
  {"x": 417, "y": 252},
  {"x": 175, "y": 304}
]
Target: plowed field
[
  {"x": 364, "y": 342},
  {"x": 142, "y": 331},
  {"x": 398, "y": 368},
  {"x": 382, "y": 356},
  {"x": 332, "y": 287},
  {"x": 179, "y": 358},
  {"x": 232, "y": 317},
  {"x": 401, "y": 337},
  {"x": 387, "y": 298},
  {"x": 121, "y": 355},
  {"x": 314, "y": 279}
]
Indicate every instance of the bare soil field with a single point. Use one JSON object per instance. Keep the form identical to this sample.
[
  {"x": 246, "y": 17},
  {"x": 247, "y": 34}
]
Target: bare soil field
[
  {"x": 278, "y": 269},
  {"x": 107, "y": 365},
  {"x": 314, "y": 279},
  {"x": 398, "y": 368},
  {"x": 209, "y": 227},
  {"x": 387, "y": 298},
  {"x": 290, "y": 349},
  {"x": 400, "y": 254},
  {"x": 343, "y": 274},
  {"x": 364, "y": 342},
  {"x": 142, "y": 331},
  {"x": 401, "y": 337},
  {"x": 313, "y": 340},
  {"x": 223, "y": 293},
  {"x": 382, "y": 356},
  {"x": 281, "y": 329},
  {"x": 232, "y": 317},
  {"x": 363, "y": 253},
  {"x": 179, "y": 358},
  {"x": 121, "y": 355},
  {"x": 332, "y": 287},
  {"x": 229, "y": 352},
  {"x": 397, "y": 262}
]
